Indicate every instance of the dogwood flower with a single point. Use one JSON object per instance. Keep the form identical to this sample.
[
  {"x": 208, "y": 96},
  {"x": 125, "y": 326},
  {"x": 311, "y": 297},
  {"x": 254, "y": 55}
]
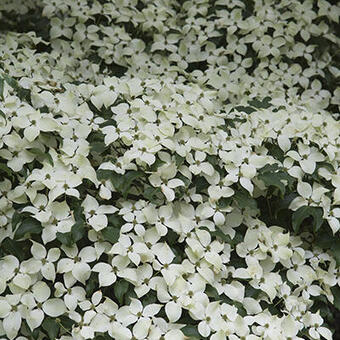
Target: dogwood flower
[
  {"x": 96, "y": 214},
  {"x": 46, "y": 259},
  {"x": 309, "y": 196},
  {"x": 11, "y": 311},
  {"x": 198, "y": 165},
  {"x": 77, "y": 262},
  {"x": 315, "y": 321},
  {"x": 134, "y": 250},
  {"x": 164, "y": 178},
  {"x": 138, "y": 315},
  {"x": 307, "y": 157},
  {"x": 72, "y": 295},
  {"x": 33, "y": 122}
]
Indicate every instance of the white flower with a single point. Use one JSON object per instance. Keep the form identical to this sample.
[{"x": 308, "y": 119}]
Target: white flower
[
  {"x": 77, "y": 263},
  {"x": 134, "y": 250},
  {"x": 220, "y": 188},
  {"x": 71, "y": 295},
  {"x": 46, "y": 259},
  {"x": 333, "y": 218},
  {"x": 315, "y": 321},
  {"x": 103, "y": 95},
  {"x": 211, "y": 319},
  {"x": 62, "y": 221},
  {"x": 307, "y": 157},
  {"x": 34, "y": 302},
  {"x": 136, "y": 314},
  {"x": 65, "y": 184},
  {"x": 309, "y": 196},
  {"x": 163, "y": 178},
  {"x": 17, "y": 155},
  {"x": 134, "y": 221},
  {"x": 96, "y": 214},
  {"x": 161, "y": 217},
  {"x": 198, "y": 165},
  {"x": 11, "y": 312},
  {"x": 143, "y": 151},
  {"x": 33, "y": 122}
]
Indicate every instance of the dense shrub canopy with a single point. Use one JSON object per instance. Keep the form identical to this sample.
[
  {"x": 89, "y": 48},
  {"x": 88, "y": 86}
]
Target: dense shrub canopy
[{"x": 169, "y": 169}]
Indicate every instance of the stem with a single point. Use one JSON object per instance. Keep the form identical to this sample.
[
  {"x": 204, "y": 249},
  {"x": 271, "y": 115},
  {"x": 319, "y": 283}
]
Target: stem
[
  {"x": 62, "y": 326},
  {"x": 270, "y": 210}
]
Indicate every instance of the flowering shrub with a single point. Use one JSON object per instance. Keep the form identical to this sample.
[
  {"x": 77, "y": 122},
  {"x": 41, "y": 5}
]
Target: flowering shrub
[{"x": 169, "y": 169}]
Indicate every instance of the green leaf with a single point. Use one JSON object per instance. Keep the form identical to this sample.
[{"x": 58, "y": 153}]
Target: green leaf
[
  {"x": 11, "y": 247},
  {"x": 32, "y": 334},
  {"x": 28, "y": 226},
  {"x": 335, "y": 250},
  {"x": 122, "y": 183},
  {"x": 115, "y": 221},
  {"x": 66, "y": 322},
  {"x": 264, "y": 104},
  {"x": 43, "y": 155},
  {"x": 108, "y": 122},
  {"x": 130, "y": 294},
  {"x": 171, "y": 237},
  {"x": 268, "y": 168},
  {"x": 65, "y": 238},
  {"x": 275, "y": 151},
  {"x": 104, "y": 174},
  {"x": 275, "y": 179},
  {"x": 191, "y": 331},
  {"x": 179, "y": 160},
  {"x": 51, "y": 327},
  {"x": 284, "y": 203},
  {"x": 91, "y": 284},
  {"x": 102, "y": 337},
  {"x": 252, "y": 292},
  {"x": 111, "y": 234},
  {"x": 127, "y": 180},
  {"x": 186, "y": 180},
  {"x": 98, "y": 147},
  {"x": 10, "y": 81},
  {"x": 16, "y": 218},
  {"x": 304, "y": 212},
  {"x": 247, "y": 109},
  {"x": 151, "y": 194},
  {"x": 78, "y": 231},
  {"x": 240, "y": 308},
  {"x": 2, "y": 114},
  {"x": 244, "y": 200},
  {"x": 149, "y": 298},
  {"x": 120, "y": 288},
  {"x": 2, "y": 84},
  {"x": 4, "y": 168},
  {"x": 23, "y": 94},
  {"x": 218, "y": 233},
  {"x": 212, "y": 292},
  {"x": 325, "y": 239},
  {"x": 156, "y": 165},
  {"x": 336, "y": 293},
  {"x": 78, "y": 213},
  {"x": 224, "y": 202},
  {"x": 200, "y": 184}
]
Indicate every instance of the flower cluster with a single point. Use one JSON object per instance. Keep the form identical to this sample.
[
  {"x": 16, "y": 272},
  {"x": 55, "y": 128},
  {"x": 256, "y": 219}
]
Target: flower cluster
[{"x": 169, "y": 169}]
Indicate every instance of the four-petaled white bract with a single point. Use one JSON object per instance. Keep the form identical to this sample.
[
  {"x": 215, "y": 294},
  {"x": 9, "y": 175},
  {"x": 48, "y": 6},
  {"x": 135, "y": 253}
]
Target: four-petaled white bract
[{"x": 169, "y": 169}]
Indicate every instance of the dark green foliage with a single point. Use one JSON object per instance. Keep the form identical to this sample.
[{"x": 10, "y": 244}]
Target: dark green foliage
[
  {"x": 120, "y": 288},
  {"x": 28, "y": 226},
  {"x": 244, "y": 200},
  {"x": 41, "y": 155},
  {"x": 304, "y": 212},
  {"x": 110, "y": 234},
  {"x": 51, "y": 327}
]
